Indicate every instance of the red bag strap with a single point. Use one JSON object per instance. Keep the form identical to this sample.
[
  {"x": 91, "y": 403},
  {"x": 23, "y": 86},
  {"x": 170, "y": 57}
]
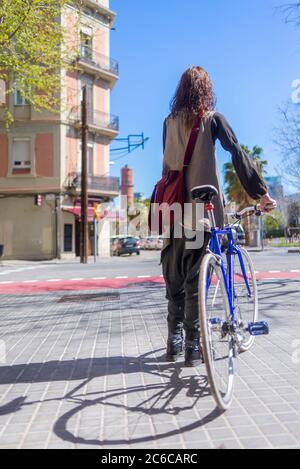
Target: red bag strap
[{"x": 192, "y": 142}]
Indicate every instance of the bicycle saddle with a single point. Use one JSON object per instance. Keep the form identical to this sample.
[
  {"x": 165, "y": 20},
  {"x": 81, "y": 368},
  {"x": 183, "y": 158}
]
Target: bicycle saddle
[{"x": 204, "y": 194}]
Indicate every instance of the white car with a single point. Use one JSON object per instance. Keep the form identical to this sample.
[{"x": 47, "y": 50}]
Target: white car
[
  {"x": 143, "y": 242},
  {"x": 154, "y": 243}
]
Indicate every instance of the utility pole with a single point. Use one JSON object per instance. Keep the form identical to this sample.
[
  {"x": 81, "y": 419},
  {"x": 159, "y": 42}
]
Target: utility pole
[{"x": 84, "y": 179}]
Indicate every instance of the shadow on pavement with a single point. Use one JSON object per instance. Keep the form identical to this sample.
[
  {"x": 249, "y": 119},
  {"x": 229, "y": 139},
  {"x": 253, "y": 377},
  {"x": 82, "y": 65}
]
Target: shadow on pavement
[{"x": 157, "y": 398}]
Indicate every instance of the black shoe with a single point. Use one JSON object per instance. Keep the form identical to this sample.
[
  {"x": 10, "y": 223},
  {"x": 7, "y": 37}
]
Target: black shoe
[
  {"x": 175, "y": 342},
  {"x": 174, "y": 350},
  {"x": 193, "y": 352}
]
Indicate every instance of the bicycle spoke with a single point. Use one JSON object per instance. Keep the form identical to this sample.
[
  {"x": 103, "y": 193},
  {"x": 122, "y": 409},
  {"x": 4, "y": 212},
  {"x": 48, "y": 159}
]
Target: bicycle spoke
[{"x": 216, "y": 342}]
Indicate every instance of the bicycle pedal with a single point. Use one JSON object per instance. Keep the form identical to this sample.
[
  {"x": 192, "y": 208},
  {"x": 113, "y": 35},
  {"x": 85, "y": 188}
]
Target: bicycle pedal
[
  {"x": 258, "y": 328},
  {"x": 215, "y": 321}
]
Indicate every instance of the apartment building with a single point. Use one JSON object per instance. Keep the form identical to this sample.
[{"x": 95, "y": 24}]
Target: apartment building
[{"x": 40, "y": 154}]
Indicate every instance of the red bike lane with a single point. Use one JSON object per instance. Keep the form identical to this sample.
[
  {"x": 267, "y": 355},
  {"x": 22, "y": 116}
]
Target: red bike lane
[{"x": 45, "y": 286}]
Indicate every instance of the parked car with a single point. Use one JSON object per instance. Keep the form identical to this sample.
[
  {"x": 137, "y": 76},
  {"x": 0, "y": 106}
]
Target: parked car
[
  {"x": 148, "y": 244},
  {"x": 126, "y": 245},
  {"x": 238, "y": 235},
  {"x": 154, "y": 243},
  {"x": 241, "y": 236},
  {"x": 159, "y": 243},
  {"x": 143, "y": 242}
]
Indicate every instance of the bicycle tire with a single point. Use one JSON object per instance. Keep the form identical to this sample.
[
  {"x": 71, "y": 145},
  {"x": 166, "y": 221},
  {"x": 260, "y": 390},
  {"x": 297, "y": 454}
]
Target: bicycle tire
[
  {"x": 240, "y": 300},
  {"x": 221, "y": 387}
]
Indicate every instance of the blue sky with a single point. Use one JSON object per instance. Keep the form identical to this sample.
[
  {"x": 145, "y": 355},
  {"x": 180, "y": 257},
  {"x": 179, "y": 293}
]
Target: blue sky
[{"x": 249, "y": 51}]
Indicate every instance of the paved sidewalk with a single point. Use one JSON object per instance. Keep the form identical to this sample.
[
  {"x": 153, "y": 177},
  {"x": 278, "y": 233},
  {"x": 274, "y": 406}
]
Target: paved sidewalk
[{"x": 88, "y": 372}]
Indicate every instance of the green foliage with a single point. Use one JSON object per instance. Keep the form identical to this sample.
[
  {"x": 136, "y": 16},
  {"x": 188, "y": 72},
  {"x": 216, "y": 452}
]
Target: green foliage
[
  {"x": 274, "y": 222},
  {"x": 233, "y": 188},
  {"x": 34, "y": 47},
  {"x": 284, "y": 244},
  {"x": 274, "y": 226},
  {"x": 145, "y": 202}
]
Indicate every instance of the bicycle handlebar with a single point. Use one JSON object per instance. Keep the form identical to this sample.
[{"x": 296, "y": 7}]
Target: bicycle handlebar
[
  {"x": 255, "y": 209},
  {"x": 246, "y": 211}
]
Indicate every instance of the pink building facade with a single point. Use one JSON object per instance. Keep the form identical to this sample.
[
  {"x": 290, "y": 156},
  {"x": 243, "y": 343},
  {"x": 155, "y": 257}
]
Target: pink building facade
[{"x": 40, "y": 154}]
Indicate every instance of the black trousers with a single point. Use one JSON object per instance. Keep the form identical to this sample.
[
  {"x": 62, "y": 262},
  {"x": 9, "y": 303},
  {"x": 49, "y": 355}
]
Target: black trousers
[{"x": 181, "y": 268}]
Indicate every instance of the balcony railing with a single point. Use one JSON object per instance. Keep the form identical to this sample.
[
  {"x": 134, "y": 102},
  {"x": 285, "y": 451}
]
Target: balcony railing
[
  {"x": 96, "y": 119},
  {"x": 103, "y": 13},
  {"x": 98, "y": 61},
  {"x": 105, "y": 184}
]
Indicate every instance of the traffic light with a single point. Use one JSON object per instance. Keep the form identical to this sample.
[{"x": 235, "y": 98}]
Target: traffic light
[
  {"x": 38, "y": 200},
  {"x": 97, "y": 211}
]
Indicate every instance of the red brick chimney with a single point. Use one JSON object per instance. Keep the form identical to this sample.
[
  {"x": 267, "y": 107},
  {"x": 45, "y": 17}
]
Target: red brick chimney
[{"x": 127, "y": 184}]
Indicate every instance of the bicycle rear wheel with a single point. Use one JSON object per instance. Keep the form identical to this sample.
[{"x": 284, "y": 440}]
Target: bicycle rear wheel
[
  {"x": 216, "y": 341},
  {"x": 245, "y": 296}
]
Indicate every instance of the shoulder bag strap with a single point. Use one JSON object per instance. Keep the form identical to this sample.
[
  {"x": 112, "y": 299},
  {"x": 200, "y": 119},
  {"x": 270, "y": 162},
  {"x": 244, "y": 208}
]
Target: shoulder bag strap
[{"x": 192, "y": 142}]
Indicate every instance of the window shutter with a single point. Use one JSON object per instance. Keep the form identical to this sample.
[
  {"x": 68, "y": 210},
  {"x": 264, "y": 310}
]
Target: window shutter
[{"x": 21, "y": 153}]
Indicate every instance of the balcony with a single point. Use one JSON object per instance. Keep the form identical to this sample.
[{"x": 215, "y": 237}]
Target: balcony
[
  {"x": 98, "y": 185},
  {"x": 101, "y": 9},
  {"x": 99, "y": 65},
  {"x": 98, "y": 122}
]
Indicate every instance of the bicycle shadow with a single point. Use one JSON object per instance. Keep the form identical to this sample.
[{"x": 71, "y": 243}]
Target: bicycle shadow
[{"x": 154, "y": 399}]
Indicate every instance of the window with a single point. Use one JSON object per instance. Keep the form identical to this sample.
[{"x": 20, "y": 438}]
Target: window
[
  {"x": 68, "y": 238},
  {"x": 21, "y": 150},
  {"x": 19, "y": 100},
  {"x": 86, "y": 45}
]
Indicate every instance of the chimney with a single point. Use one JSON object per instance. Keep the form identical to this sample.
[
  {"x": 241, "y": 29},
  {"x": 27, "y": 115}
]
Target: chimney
[{"x": 127, "y": 184}]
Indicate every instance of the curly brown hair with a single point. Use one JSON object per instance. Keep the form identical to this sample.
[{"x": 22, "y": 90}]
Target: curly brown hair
[{"x": 194, "y": 95}]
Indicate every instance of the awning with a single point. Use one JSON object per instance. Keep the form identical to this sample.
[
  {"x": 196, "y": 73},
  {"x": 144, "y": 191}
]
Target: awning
[
  {"x": 77, "y": 212},
  {"x": 112, "y": 215}
]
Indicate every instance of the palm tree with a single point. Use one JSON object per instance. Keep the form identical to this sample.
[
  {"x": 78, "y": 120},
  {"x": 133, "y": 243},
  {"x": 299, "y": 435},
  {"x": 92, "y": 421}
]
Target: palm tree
[{"x": 234, "y": 189}]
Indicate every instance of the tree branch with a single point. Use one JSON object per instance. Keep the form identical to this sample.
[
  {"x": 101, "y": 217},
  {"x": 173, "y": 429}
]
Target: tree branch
[{"x": 11, "y": 35}]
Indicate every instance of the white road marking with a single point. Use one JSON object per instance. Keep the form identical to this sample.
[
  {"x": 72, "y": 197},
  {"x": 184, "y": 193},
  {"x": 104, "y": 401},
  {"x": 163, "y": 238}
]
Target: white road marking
[
  {"x": 22, "y": 269},
  {"x": 54, "y": 280}
]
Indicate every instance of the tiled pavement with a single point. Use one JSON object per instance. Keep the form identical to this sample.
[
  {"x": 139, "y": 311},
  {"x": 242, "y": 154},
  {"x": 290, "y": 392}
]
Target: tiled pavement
[{"x": 89, "y": 373}]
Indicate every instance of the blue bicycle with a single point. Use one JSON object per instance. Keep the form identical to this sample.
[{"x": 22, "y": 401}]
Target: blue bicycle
[{"x": 228, "y": 300}]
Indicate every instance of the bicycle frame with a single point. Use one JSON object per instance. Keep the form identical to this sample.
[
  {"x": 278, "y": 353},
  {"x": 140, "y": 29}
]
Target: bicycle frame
[{"x": 232, "y": 250}]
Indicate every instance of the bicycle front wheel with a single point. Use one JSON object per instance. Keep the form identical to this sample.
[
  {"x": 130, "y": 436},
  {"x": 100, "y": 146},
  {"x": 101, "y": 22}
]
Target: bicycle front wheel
[
  {"x": 216, "y": 340},
  {"x": 245, "y": 295}
]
